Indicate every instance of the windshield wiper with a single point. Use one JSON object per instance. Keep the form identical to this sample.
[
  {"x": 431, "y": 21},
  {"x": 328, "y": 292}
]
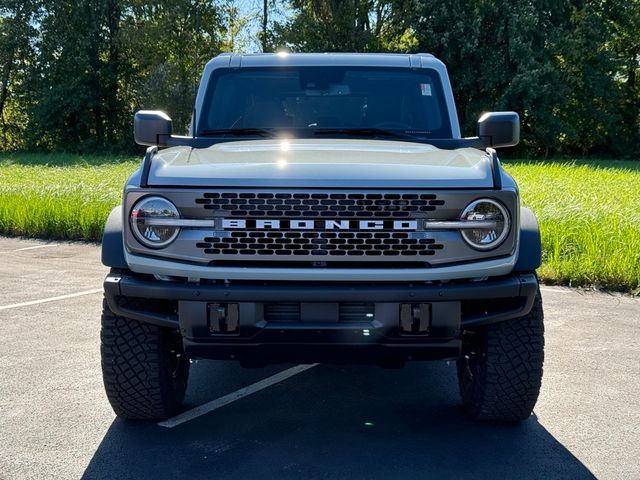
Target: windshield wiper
[
  {"x": 363, "y": 131},
  {"x": 259, "y": 132}
]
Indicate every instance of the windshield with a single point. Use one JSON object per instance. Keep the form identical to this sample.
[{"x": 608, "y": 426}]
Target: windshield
[{"x": 308, "y": 101}]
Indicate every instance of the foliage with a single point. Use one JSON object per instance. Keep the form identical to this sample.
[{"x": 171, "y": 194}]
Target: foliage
[
  {"x": 330, "y": 25},
  {"x": 497, "y": 54},
  {"x": 74, "y": 85},
  {"x": 72, "y": 72},
  {"x": 16, "y": 53},
  {"x": 568, "y": 67},
  {"x": 167, "y": 44},
  {"x": 623, "y": 46}
]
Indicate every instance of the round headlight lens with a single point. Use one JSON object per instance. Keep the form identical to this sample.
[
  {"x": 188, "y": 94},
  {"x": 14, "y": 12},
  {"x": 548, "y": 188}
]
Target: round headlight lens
[
  {"x": 494, "y": 227},
  {"x": 147, "y": 225}
]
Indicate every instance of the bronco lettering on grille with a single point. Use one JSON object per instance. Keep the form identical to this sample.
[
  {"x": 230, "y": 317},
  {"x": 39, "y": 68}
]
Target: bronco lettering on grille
[{"x": 304, "y": 224}]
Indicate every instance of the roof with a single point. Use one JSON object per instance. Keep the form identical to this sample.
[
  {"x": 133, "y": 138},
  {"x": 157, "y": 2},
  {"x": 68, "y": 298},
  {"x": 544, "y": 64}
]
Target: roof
[{"x": 335, "y": 59}]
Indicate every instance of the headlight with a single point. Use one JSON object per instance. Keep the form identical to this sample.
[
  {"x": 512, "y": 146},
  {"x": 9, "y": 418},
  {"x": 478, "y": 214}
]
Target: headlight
[
  {"x": 493, "y": 224},
  {"x": 151, "y": 222}
]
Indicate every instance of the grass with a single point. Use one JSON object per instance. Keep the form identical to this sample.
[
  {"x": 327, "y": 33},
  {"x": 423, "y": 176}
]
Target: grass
[
  {"x": 60, "y": 196},
  {"x": 589, "y": 211}
]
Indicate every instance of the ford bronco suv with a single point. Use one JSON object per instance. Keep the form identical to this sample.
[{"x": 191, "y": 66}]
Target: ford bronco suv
[{"x": 323, "y": 208}]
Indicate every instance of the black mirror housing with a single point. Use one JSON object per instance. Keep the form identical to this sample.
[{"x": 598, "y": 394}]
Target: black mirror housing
[
  {"x": 151, "y": 127},
  {"x": 499, "y": 129}
]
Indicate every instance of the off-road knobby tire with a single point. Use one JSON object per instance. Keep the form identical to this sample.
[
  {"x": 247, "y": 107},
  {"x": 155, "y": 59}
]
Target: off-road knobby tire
[
  {"x": 144, "y": 371},
  {"x": 500, "y": 372}
]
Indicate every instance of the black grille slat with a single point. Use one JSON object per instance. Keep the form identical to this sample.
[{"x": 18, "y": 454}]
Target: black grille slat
[
  {"x": 304, "y": 243},
  {"x": 365, "y": 205},
  {"x": 353, "y": 312},
  {"x": 282, "y": 312},
  {"x": 356, "y": 312}
]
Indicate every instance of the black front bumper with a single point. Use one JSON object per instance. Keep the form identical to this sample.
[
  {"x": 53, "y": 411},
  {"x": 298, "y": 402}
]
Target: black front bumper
[{"x": 259, "y": 338}]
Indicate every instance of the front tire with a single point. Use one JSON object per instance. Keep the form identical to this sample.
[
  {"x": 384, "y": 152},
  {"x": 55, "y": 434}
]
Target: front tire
[
  {"x": 500, "y": 372},
  {"x": 144, "y": 369}
]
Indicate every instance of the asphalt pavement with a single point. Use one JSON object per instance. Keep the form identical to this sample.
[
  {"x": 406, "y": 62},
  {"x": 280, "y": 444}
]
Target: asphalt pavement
[{"x": 326, "y": 422}]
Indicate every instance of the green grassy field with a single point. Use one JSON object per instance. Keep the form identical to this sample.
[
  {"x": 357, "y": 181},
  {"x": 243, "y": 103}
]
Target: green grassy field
[
  {"x": 60, "y": 196},
  {"x": 589, "y": 210},
  {"x": 589, "y": 213}
]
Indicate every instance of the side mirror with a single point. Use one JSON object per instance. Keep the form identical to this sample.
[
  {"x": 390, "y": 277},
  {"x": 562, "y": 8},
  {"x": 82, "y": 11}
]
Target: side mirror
[
  {"x": 151, "y": 127},
  {"x": 499, "y": 129}
]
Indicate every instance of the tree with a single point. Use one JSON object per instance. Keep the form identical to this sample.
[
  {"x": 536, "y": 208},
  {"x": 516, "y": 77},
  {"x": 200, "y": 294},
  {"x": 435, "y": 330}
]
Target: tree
[
  {"x": 16, "y": 53},
  {"x": 100, "y": 60},
  {"x": 74, "y": 86},
  {"x": 623, "y": 46},
  {"x": 499, "y": 55},
  {"x": 264, "y": 39},
  {"x": 329, "y": 25},
  {"x": 72, "y": 72},
  {"x": 591, "y": 106},
  {"x": 569, "y": 67},
  {"x": 233, "y": 28},
  {"x": 168, "y": 43}
]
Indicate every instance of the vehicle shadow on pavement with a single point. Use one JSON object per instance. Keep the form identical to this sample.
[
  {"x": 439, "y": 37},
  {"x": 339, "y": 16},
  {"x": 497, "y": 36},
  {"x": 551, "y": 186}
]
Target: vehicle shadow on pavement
[{"x": 334, "y": 422}]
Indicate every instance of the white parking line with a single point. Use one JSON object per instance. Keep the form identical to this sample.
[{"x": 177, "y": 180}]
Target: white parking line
[
  {"x": 48, "y": 245},
  {"x": 232, "y": 397},
  {"x": 50, "y": 299}
]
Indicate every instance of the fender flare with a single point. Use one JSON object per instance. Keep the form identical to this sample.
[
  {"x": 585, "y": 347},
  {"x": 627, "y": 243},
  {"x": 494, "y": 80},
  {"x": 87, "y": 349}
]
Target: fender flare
[
  {"x": 112, "y": 241},
  {"x": 530, "y": 248}
]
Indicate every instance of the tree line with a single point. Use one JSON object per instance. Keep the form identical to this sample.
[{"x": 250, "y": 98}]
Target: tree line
[{"x": 72, "y": 72}]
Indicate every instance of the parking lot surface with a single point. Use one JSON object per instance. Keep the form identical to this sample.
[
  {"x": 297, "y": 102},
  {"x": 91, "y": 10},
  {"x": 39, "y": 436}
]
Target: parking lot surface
[{"x": 325, "y": 422}]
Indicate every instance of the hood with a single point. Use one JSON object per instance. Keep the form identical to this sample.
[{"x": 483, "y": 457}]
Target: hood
[{"x": 321, "y": 163}]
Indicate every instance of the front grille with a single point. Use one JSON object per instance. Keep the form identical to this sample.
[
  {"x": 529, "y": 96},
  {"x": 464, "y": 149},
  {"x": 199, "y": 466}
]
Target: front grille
[
  {"x": 340, "y": 244},
  {"x": 324, "y": 228},
  {"x": 320, "y": 205},
  {"x": 319, "y": 244}
]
